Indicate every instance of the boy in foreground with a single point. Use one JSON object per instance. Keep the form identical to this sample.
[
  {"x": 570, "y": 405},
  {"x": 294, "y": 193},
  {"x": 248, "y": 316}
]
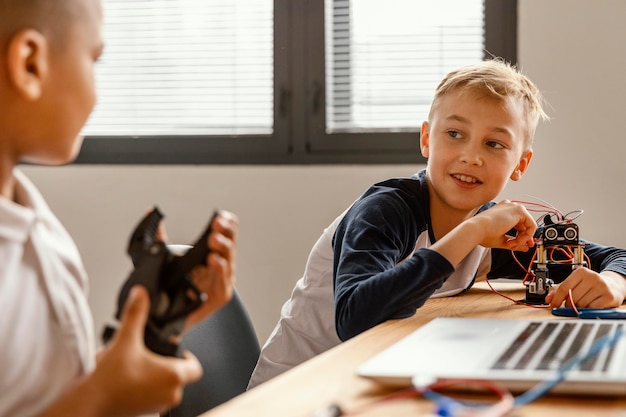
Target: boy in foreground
[
  {"x": 48, "y": 49},
  {"x": 435, "y": 233}
]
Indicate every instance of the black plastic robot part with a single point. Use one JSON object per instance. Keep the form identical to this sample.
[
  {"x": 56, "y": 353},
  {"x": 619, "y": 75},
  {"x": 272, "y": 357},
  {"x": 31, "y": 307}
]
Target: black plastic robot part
[{"x": 167, "y": 278}]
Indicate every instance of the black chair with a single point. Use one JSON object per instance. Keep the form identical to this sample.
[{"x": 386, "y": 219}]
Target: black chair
[{"x": 228, "y": 349}]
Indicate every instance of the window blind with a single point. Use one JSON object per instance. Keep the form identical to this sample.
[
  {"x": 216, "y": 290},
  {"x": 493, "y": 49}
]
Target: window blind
[
  {"x": 385, "y": 59},
  {"x": 185, "y": 67}
]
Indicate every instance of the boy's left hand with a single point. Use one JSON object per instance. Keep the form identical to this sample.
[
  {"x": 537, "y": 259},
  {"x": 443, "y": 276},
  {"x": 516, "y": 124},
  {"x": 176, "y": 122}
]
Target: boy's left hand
[
  {"x": 589, "y": 289},
  {"x": 217, "y": 279}
]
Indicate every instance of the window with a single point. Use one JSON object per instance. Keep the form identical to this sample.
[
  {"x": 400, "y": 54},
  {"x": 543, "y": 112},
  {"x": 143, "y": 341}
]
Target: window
[
  {"x": 283, "y": 81},
  {"x": 185, "y": 67}
]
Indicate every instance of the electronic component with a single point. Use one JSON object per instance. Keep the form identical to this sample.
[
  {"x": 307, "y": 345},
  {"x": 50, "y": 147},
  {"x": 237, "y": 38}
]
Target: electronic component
[
  {"x": 553, "y": 235},
  {"x": 560, "y": 234}
]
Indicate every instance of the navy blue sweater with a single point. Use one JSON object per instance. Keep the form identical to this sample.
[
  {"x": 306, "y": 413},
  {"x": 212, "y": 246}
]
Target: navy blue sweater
[{"x": 380, "y": 230}]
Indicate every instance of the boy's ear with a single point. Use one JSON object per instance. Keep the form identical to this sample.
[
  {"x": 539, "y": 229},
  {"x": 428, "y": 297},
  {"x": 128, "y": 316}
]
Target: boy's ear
[
  {"x": 27, "y": 62},
  {"x": 522, "y": 166},
  {"x": 424, "y": 138}
]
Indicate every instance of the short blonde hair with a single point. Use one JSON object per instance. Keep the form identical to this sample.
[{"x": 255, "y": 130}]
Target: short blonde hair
[{"x": 500, "y": 80}]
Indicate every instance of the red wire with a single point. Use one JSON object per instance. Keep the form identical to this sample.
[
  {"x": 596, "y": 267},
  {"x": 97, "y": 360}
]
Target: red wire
[
  {"x": 540, "y": 208},
  {"x": 571, "y": 300},
  {"x": 504, "y": 403},
  {"x": 512, "y": 299}
]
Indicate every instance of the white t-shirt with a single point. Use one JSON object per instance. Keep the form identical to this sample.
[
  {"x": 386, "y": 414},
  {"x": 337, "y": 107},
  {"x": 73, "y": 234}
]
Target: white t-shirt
[
  {"x": 307, "y": 324},
  {"x": 46, "y": 326}
]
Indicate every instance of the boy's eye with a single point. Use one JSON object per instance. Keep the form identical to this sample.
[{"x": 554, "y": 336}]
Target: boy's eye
[
  {"x": 454, "y": 134},
  {"x": 495, "y": 145}
]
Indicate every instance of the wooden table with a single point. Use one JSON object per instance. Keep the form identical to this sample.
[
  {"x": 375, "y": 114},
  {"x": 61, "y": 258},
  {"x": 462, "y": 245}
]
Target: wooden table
[{"x": 331, "y": 377}]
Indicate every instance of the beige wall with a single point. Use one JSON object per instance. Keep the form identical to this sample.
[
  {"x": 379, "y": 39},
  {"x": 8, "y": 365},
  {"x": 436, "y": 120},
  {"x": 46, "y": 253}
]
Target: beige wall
[{"x": 574, "y": 51}]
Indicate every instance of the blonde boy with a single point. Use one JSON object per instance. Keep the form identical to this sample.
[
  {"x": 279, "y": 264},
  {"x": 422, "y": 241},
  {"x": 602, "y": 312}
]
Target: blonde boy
[{"x": 433, "y": 234}]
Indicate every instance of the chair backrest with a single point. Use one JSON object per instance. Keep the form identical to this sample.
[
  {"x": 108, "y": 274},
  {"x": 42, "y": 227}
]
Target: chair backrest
[{"x": 227, "y": 347}]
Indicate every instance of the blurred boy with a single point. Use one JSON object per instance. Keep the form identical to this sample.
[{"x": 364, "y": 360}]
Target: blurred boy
[
  {"x": 48, "y": 49},
  {"x": 433, "y": 234}
]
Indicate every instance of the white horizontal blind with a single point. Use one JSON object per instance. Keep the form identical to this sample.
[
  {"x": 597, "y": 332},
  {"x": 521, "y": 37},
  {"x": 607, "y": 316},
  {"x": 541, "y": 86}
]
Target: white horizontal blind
[
  {"x": 385, "y": 59},
  {"x": 185, "y": 67}
]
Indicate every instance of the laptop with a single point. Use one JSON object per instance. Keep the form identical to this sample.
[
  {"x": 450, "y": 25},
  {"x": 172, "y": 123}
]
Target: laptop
[{"x": 516, "y": 353}]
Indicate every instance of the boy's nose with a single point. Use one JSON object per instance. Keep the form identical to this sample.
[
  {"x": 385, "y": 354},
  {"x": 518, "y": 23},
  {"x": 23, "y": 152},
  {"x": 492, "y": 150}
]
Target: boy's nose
[{"x": 471, "y": 156}]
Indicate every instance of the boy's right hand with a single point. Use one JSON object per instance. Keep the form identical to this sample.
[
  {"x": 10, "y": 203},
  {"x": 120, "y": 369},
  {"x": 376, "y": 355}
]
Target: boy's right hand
[
  {"x": 489, "y": 229},
  {"x": 129, "y": 379},
  {"x": 500, "y": 219}
]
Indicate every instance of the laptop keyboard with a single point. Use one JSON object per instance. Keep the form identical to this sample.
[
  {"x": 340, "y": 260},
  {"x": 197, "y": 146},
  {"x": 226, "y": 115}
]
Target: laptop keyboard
[{"x": 547, "y": 345}]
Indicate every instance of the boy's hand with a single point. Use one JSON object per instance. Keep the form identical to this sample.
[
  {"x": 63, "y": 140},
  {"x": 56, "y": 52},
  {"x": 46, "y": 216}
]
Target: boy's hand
[
  {"x": 500, "y": 219},
  {"x": 217, "y": 279},
  {"x": 589, "y": 289},
  {"x": 131, "y": 380},
  {"x": 489, "y": 229}
]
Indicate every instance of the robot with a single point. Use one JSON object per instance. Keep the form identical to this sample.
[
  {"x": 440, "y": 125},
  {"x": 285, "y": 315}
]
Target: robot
[{"x": 561, "y": 235}]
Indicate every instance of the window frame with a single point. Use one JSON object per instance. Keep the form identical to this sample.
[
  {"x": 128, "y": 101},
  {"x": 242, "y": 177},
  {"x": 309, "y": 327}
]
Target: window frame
[{"x": 299, "y": 135}]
